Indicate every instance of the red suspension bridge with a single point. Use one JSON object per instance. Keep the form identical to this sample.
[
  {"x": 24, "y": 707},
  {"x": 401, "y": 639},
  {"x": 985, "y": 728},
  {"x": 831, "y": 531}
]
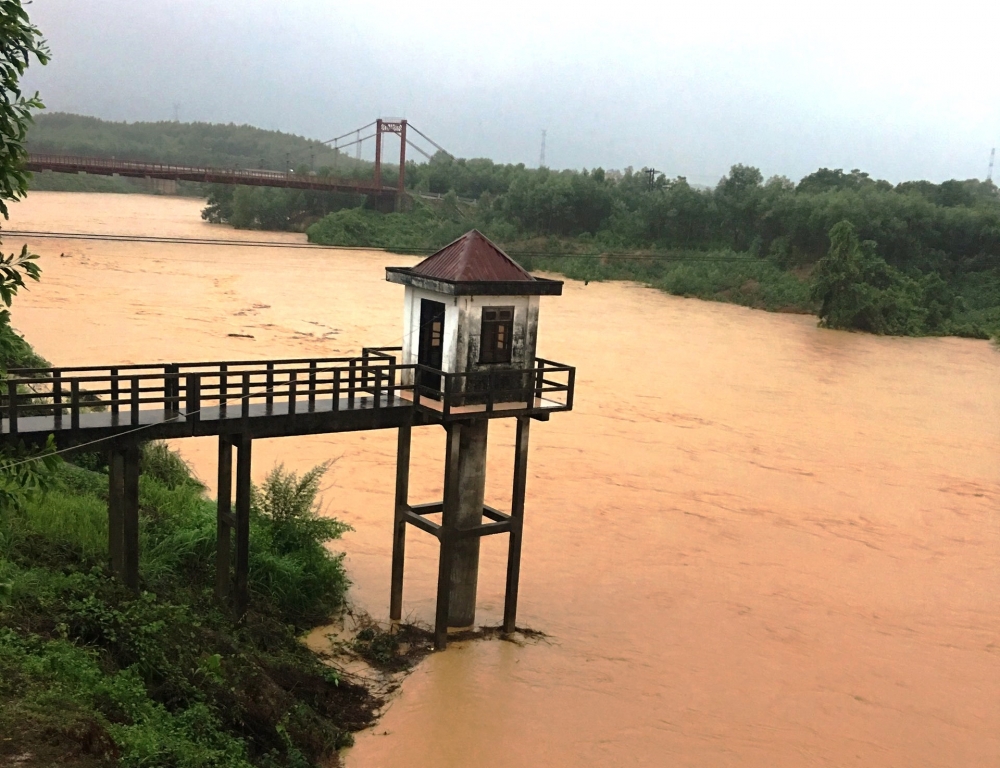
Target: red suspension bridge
[{"x": 384, "y": 195}]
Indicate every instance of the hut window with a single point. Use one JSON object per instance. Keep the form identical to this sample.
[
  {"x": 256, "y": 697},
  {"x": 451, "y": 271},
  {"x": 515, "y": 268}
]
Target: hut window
[{"x": 497, "y": 335}]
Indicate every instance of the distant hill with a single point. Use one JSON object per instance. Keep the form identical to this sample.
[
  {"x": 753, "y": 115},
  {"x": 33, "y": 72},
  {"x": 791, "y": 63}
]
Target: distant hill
[{"x": 213, "y": 144}]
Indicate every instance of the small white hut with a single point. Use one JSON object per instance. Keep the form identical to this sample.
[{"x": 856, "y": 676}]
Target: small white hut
[{"x": 470, "y": 308}]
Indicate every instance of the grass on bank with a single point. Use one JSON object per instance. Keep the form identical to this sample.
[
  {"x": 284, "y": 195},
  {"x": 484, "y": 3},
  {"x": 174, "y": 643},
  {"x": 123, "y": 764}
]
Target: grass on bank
[{"x": 93, "y": 675}]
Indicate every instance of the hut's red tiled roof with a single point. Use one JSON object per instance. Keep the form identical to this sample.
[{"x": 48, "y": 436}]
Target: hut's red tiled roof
[{"x": 472, "y": 258}]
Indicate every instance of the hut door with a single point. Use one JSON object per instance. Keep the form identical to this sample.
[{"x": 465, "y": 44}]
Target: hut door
[{"x": 431, "y": 350}]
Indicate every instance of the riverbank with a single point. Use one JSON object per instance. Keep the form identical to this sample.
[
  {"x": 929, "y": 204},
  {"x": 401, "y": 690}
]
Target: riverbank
[{"x": 754, "y": 542}]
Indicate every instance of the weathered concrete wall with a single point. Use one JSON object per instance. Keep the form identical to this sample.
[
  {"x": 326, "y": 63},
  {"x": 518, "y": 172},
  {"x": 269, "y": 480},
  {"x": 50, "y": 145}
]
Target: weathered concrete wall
[
  {"x": 463, "y": 329},
  {"x": 471, "y": 496},
  {"x": 411, "y": 329}
]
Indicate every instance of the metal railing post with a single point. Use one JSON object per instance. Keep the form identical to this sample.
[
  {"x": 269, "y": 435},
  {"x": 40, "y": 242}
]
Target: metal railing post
[
  {"x": 134, "y": 397},
  {"x": 291, "y": 392},
  {"x": 245, "y": 409},
  {"x": 223, "y": 389},
  {"x": 57, "y": 398},
  {"x": 312, "y": 385},
  {"x": 12, "y": 406},
  {"x": 193, "y": 405},
  {"x": 114, "y": 395},
  {"x": 392, "y": 379},
  {"x": 270, "y": 388},
  {"x": 74, "y": 407},
  {"x": 352, "y": 384}
]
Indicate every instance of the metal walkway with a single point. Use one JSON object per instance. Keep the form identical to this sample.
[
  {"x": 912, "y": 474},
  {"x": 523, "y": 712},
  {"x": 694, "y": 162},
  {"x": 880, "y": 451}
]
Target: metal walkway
[
  {"x": 271, "y": 398},
  {"x": 116, "y": 408}
]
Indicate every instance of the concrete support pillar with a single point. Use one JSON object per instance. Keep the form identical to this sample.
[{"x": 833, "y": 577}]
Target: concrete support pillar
[
  {"x": 116, "y": 511},
  {"x": 241, "y": 591},
  {"x": 517, "y": 523},
  {"x": 224, "y": 520},
  {"x": 130, "y": 527},
  {"x": 123, "y": 514},
  {"x": 471, "y": 488},
  {"x": 399, "y": 522}
]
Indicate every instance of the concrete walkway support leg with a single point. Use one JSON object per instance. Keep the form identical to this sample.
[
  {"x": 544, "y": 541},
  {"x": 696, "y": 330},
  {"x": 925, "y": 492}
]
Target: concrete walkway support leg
[
  {"x": 468, "y": 514},
  {"x": 241, "y": 592},
  {"x": 517, "y": 523},
  {"x": 399, "y": 521},
  {"x": 130, "y": 518},
  {"x": 116, "y": 511},
  {"x": 447, "y": 536},
  {"x": 224, "y": 520}
]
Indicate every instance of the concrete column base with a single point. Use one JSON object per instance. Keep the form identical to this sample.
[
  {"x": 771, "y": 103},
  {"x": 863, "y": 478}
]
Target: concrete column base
[{"x": 471, "y": 497}]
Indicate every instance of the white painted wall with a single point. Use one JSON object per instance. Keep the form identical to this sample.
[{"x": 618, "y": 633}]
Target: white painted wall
[{"x": 462, "y": 328}]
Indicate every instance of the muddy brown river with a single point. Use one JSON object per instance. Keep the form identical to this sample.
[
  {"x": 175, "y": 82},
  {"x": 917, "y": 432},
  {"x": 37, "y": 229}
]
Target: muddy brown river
[{"x": 753, "y": 542}]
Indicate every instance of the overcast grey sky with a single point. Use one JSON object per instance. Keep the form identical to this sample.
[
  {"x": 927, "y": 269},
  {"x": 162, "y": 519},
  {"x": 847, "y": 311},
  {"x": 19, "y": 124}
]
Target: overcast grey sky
[{"x": 900, "y": 89}]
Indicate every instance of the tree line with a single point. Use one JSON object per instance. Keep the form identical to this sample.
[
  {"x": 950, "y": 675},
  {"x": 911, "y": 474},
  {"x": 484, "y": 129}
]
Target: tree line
[
  {"x": 939, "y": 241},
  {"x": 913, "y": 258}
]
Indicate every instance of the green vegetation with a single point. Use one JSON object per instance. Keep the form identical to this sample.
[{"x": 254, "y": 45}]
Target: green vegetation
[
  {"x": 927, "y": 255},
  {"x": 20, "y": 42},
  {"x": 931, "y": 252},
  {"x": 269, "y": 208},
  {"x": 92, "y": 673},
  {"x": 222, "y": 146}
]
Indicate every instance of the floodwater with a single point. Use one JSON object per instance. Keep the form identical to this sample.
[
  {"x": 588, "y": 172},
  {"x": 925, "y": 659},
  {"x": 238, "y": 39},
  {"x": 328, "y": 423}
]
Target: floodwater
[{"x": 753, "y": 543}]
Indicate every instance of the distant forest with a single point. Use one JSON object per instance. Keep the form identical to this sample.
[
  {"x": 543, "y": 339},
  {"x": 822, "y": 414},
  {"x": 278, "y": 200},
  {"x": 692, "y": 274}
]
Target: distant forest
[
  {"x": 912, "y": 258},
  {"x": 222, "y": 146}
]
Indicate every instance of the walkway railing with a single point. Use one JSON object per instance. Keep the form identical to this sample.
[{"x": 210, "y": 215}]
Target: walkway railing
[{"x": 134, "y": 395}]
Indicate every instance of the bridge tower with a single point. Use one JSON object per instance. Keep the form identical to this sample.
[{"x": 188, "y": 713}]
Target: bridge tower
[
  {"x": 470, "y": 319},
  {"x": 397, "y": 127}
]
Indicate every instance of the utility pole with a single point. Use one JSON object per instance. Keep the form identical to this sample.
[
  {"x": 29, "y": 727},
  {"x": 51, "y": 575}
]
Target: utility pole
[
  {"x": 989, "y": 173},
  {"x": 177, "y": 112},
  {"x": 541, "y": 156},
  {"x": 651, "y": 176}
]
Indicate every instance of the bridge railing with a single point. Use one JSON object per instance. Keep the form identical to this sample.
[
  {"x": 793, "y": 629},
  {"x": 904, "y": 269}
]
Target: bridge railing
[{"x": 136, "y": 168}]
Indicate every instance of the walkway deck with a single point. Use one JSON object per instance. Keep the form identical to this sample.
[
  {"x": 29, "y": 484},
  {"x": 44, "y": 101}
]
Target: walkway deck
[{"x": 256, "y": 399}]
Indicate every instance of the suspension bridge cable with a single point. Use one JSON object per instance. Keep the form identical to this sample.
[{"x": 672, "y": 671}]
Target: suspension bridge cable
[
  {"x": 350, "y": 133},
  {"x": 428, "y": 138},
  {"x": 429, "y": 157}
]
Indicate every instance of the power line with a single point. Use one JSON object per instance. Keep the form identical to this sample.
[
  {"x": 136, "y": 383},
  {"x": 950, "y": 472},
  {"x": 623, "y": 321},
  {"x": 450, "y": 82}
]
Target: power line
[{"x": 605, "y": 255}]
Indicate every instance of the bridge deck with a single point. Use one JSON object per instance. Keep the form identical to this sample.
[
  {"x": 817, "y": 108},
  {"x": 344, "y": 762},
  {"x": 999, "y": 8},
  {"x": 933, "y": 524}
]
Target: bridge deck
[{"x": 102, "y": 166}]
